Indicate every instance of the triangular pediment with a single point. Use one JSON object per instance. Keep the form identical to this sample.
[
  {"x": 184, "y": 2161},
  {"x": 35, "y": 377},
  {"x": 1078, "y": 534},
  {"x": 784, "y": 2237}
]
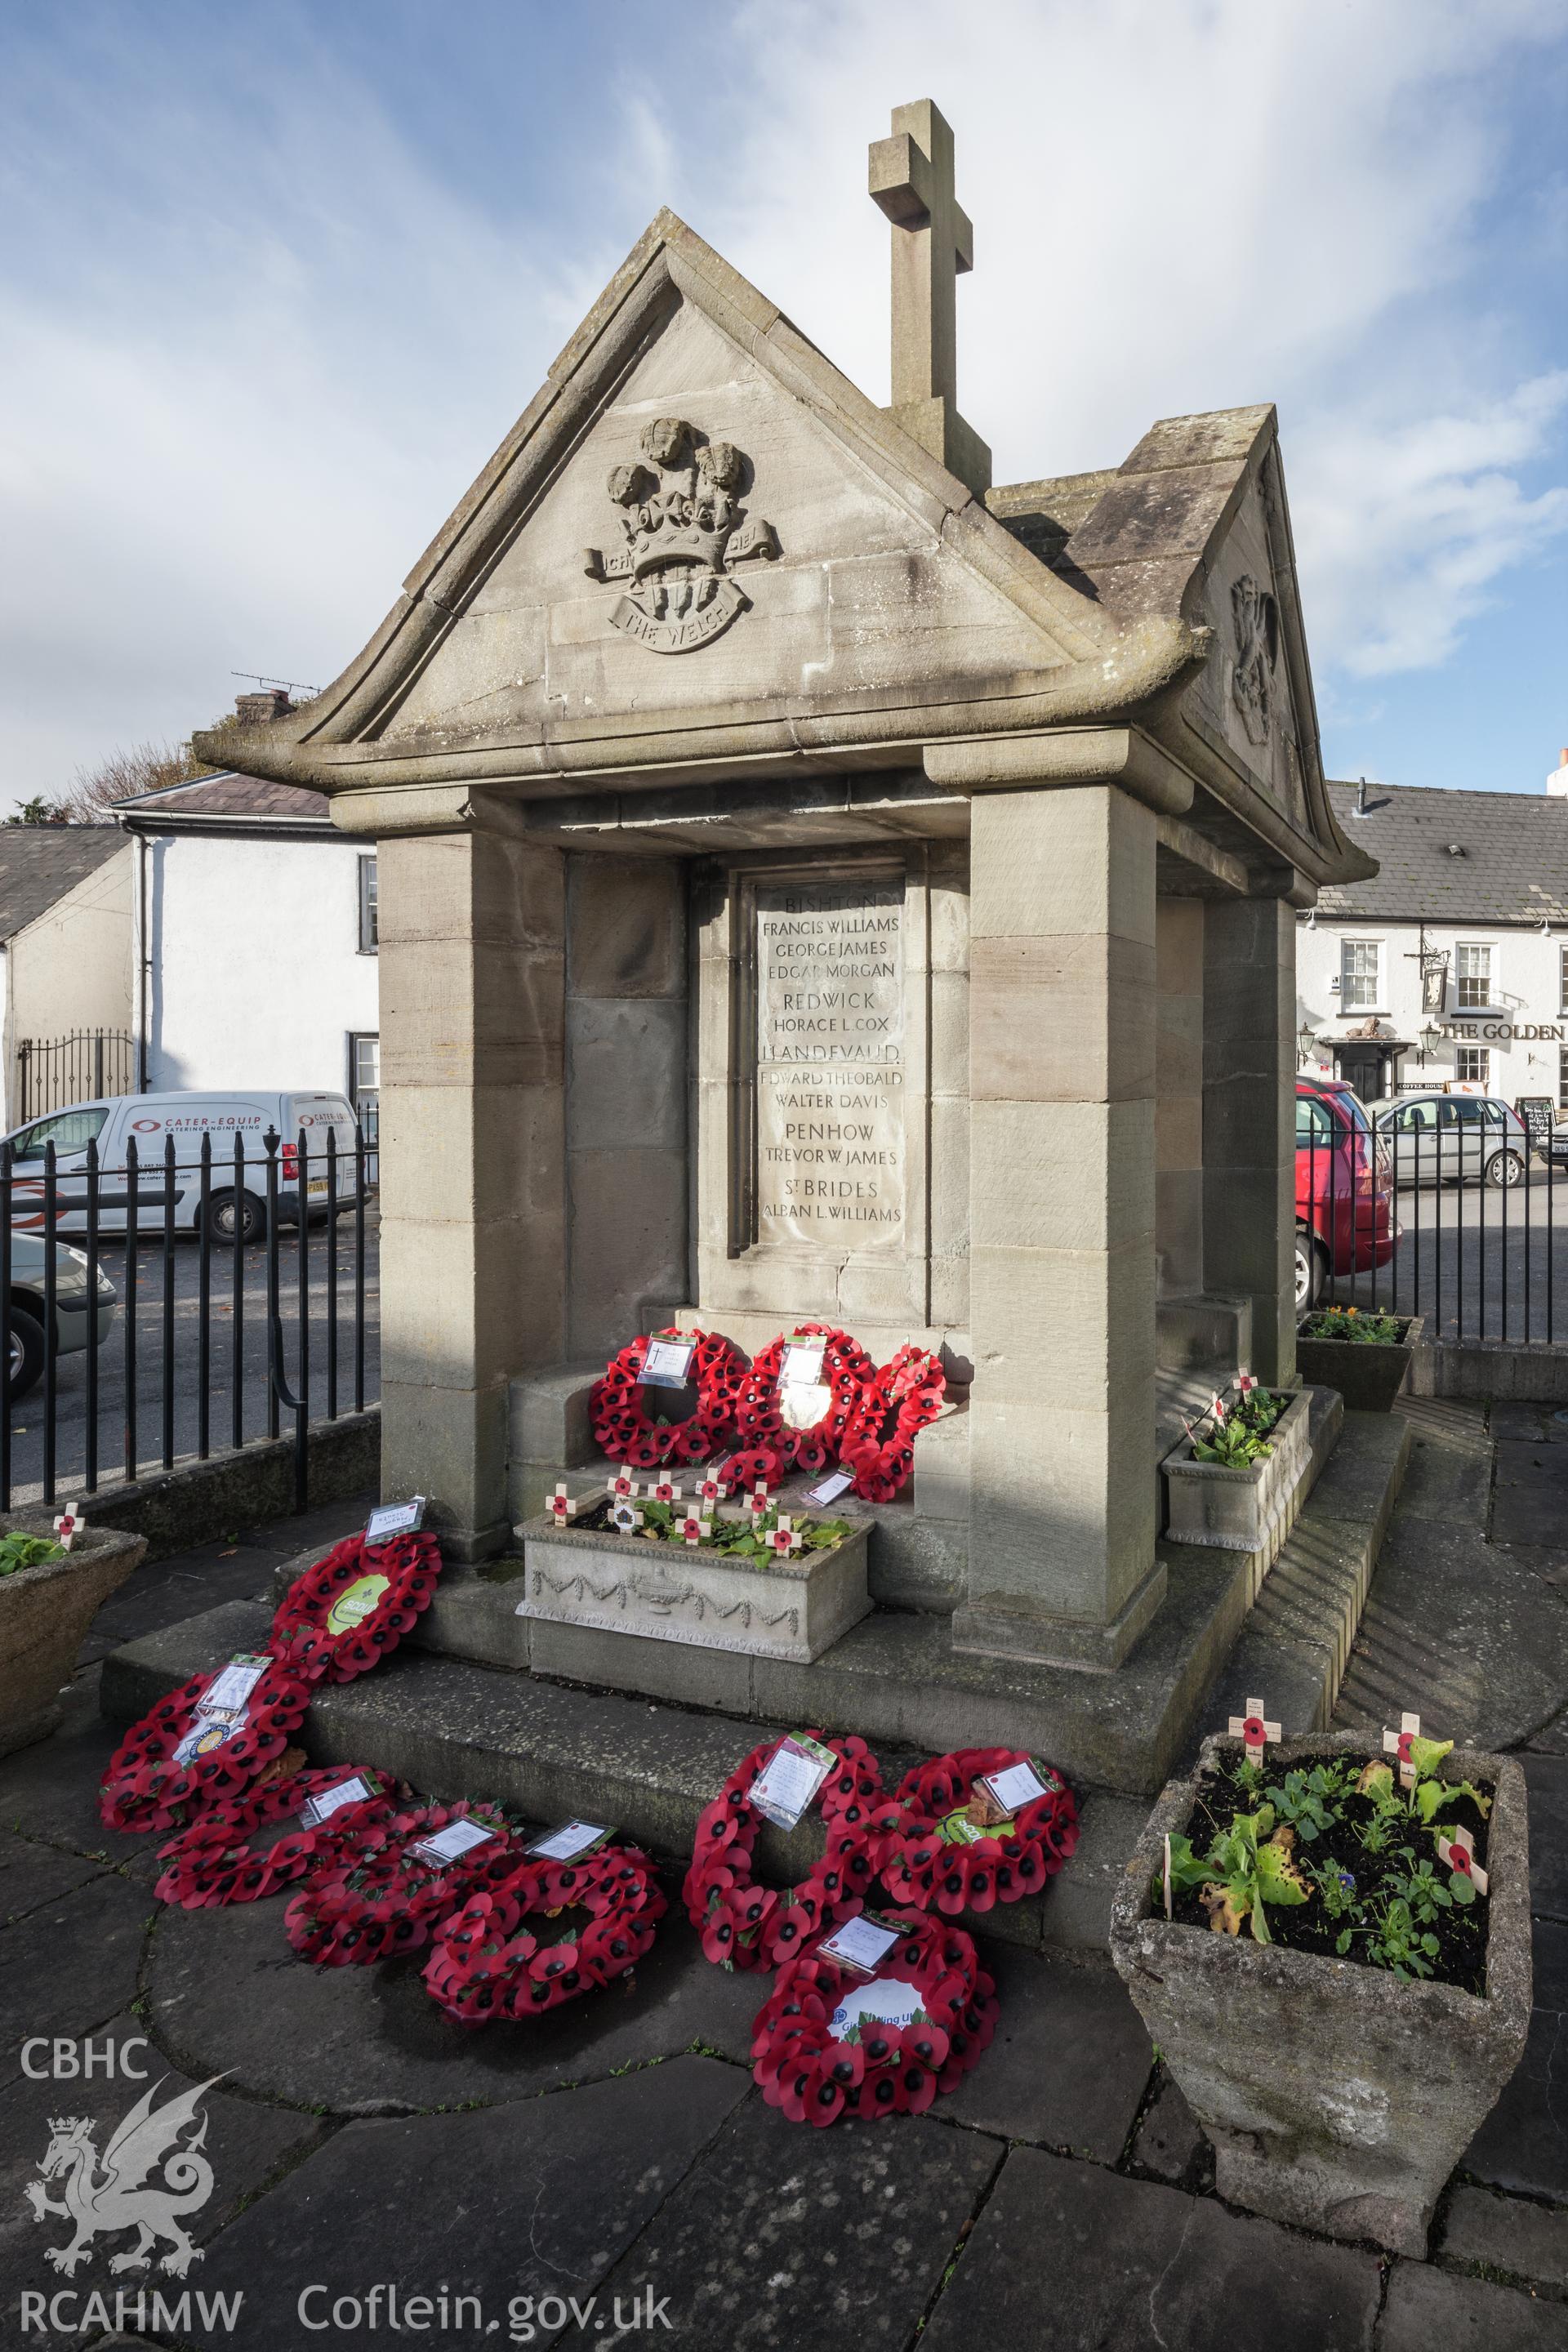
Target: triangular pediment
[{"x": 836, "y": 590}]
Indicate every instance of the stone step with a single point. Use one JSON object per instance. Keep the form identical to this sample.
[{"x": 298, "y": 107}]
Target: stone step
[
  {"x": 454, "y": 1728},
  {"x": 1294, "y": 1647}
]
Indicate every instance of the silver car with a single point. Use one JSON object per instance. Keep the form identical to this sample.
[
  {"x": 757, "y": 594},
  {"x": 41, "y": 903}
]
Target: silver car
[
  {"x": 75, "y": 1313},
  {"x": 1470, "y": 1138}
]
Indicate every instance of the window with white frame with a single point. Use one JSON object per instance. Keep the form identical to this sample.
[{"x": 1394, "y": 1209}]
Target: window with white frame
[
  {"x": 367, "y": 927},
  {"x": 1563, "y": 1078},
  {"x": 1360, "y": 961},
  {"x": 1562, "y": 980},
  {"x": 1473, "y": 975},
  {"x": 1475, "y": 1066}
]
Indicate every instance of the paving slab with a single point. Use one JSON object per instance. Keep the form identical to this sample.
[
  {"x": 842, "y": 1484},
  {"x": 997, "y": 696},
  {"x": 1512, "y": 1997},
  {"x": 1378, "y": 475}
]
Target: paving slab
[
  {"x": 1547, "y": 1779},
  {"x": 1430, "y": 2308},
  {"x": 1464, "y": 1633},
  {"x": 1526, "y": 2241},
  {"x": 1070, "y": 2062},
  {"x": 1523, "y": 2144},
  {"x": 246, "y": 2145},
  {"x": 511, "y": 2206},
  {"x": 1067, "y": 2254},
  {"x": 1531, "y": 1424},
  {"x": 71, "y": 1964},
  {"x": 226, "y": 1990},
  {"x": 1443, "y": 1484},
  {"x": 49, "y": 1791},
  {"x": 31, "y": 1873},
  {"x": 797, "y": 2241},
  {"x": 1169, "y": 2141}
]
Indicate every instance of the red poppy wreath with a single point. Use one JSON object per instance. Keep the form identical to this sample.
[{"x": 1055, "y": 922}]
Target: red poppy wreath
[
  {"x": 874, "y": 2065},
  {"x": 618, "y": 1410},
  {"x": 361, "y": 1598},
  {"x": 382, "y": 1895},
  {"x": 896, "y": 1403},
  {"x": 214, "y": 1861},
  {"x": 481, "y": 1967},
  {"x": 179, "y": 1757},
  {"x": 770, "y": 1444},
  {"x": 940, "y": 1856},
  {"x": 744, "y": 1926}
]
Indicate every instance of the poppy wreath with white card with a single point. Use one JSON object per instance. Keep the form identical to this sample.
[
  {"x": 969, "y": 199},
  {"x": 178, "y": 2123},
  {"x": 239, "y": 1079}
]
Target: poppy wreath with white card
[
  {"x": 381, "y": 1893},
  {"x": 215, "y": 1860},
  {"x": 617, "y": 1404},
  {"x": 873, "y": 2064},
  {"x": 896, "y": 1403},
  {"x": 764, "y": 1408},
  {"x": 744, "y": 1926},
  {"x": 361, "y": 1598},
  {"x": 938, "y": 1857},
  {"x": 148, "y": 1785},
  {"x": 483, "y": 1968}
]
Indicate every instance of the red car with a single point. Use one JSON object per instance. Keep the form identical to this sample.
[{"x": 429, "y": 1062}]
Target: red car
[{"x": 1344, "y": 1201}]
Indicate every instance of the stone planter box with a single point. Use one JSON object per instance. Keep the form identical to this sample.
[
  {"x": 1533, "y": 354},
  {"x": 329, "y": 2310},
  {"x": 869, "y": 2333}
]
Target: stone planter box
[
  {"x": 44, "y": 1612},
  {"x": 1240, "y": 1510},
  {"x": 1337, "y": 2096},
  {"x": 1367, "y": 1376},
  {"x": 623, "y": 1584}
]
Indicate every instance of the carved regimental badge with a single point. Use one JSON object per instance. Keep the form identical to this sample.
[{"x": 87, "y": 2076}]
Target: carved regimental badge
[
  {"x": 684, "y": 532},
  {"x": 1256, "y": 618}
]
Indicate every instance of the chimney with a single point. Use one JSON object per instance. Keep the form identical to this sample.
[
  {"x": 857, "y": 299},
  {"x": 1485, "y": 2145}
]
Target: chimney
[
  {"x": 1361, "y": 798},
  {"x": 1557, "y": 781},
  {"x": 272, "y": 702}
]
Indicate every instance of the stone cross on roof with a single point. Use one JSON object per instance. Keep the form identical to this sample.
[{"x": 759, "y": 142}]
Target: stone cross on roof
[{"x": 911, "y": 178}]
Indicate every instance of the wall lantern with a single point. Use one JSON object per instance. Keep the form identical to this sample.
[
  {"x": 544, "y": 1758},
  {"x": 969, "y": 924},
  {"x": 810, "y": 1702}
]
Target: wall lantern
[{"x": 1306, "y": 1038}]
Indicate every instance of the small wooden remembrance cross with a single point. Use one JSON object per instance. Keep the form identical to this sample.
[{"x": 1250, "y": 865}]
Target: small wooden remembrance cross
[
  {"x": 1254, "y": 1729},
  {"x": 694, "y": 1529},
  {"x": 561, "y": 1506},
  {"x": 621, "y": 1488},
  {"x": 1398, "y": 1743},
  {"x": 712, "y": 1490},
  {"x": 785, "y": 1538},
  {"x": 1459, "y": 1852},
  {"x": 661, "y": 1491},
  {"x": 68, "y": 1526}
]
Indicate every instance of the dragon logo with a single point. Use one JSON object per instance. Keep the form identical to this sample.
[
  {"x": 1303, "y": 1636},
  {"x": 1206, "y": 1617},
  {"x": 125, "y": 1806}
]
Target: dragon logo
[
  {"x": 683, "y": 534},
  {"x": 1255, "y": 616},
  {"x": 117, "y": 2191}
]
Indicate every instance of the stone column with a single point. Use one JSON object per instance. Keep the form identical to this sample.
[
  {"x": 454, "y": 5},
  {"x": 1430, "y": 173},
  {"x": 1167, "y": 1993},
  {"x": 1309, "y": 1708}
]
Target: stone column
[
  {"x": 1249, "y": 1119},
  {"x": 1179, "y": 1105},
  {"x": 1062, "y": 1565},
  {"x": 472, "y": 1160}
]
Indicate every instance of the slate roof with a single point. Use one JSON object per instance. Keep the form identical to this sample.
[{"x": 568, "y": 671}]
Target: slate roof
[
  {"x": 229, "y": 794},
  {"x": 39, "y": 863},
  {"x": 1514, "y": 868}
]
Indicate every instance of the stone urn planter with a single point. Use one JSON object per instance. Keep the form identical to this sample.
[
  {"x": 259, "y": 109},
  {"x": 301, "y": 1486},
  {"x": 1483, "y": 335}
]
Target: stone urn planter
[
  {"x": 1337, "y": 2097},
  {"x": 1368, "y": 1374},
  {"x": 1240, "y": 1510},
  {"x": 44, "y": 1612},
  {"x": 787, "y": 1608}
]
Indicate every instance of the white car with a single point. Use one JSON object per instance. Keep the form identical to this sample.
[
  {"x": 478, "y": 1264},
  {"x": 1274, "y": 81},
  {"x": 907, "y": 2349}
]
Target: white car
[{"x": 115, "y": 1121}]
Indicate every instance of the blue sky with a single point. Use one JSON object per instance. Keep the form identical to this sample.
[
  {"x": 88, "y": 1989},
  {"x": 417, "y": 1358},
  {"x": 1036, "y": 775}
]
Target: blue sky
[{"x": 277, "y": 278}]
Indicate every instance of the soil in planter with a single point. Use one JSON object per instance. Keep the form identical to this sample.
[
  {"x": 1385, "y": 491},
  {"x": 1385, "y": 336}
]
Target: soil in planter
[{"x": 1461, "y": 1933}]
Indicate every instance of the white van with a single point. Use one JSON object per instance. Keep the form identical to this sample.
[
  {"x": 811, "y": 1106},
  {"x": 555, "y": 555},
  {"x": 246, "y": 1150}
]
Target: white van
[{"x": 115, "y": 1121}]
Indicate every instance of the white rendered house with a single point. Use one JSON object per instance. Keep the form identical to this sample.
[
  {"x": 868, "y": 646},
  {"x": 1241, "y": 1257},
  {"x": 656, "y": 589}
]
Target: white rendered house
[
  {"x": 254, "y": 925},
  {"x": 1449, "y": 968}
]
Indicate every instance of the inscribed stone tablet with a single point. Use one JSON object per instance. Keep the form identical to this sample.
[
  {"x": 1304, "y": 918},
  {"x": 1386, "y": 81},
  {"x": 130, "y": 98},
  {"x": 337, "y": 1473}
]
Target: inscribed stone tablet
[{"x": 830, "y": 1076}]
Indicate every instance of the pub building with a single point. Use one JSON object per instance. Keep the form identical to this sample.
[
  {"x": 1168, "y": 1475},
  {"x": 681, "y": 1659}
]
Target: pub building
[{"x": 1446, "y": 970}]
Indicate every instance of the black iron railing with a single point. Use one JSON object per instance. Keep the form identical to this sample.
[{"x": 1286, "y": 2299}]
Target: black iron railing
[
  {"x": 1464, "y": 1225},
  {"x": 115, "y": 1284}
]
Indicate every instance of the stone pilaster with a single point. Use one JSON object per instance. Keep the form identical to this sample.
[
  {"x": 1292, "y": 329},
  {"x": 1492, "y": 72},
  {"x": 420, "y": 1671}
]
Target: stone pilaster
[
  {"x": 1250, "y": 1120},
  {"x": 473, "y": 1240},
  {"x": 1062, "y": 1225},
  {"x": 1179, "y": 1095}
]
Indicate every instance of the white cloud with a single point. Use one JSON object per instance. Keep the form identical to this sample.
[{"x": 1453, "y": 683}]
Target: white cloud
[{"x": 253, "y": 346}]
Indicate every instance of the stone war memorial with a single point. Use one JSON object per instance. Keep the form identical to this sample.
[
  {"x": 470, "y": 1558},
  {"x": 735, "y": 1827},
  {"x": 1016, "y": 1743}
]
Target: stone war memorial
[{"x": 836, "y": 905}]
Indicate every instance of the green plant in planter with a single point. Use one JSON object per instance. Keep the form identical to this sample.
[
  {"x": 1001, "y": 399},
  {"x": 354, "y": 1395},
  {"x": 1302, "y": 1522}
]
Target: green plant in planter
[
  {"x": 1232, "y": 1445},
  {"x": 1349, "y": 1323},
  {"x": 1249, "y": 1865},
  {"x": 741, "y": 1539},
  {"x": 1306, "y": 1799},
  {"x": 19, "y": 1551}
]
